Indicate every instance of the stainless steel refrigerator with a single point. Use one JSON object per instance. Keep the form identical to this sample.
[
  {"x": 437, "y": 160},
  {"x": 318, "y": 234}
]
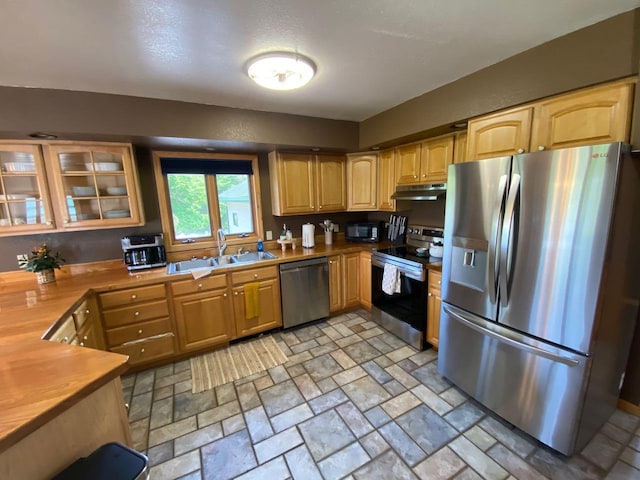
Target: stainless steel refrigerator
[{"x": 540, "y": 286}]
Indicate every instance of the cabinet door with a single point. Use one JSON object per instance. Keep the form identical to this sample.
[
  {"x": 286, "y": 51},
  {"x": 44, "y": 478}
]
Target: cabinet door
[
  {"x": 365, "y": 279},
  {"x": 362, "y": 182},
  {"x": 500, "y": 134},
  {"x": 335, "y": 283},
  {"x": 434, "y": 301},
  {"x": 331, "y": 183},
  {"x": 351, "y": 276},
  {"x": 408, "y": 164},
  {"x": 386, "y": 180},
  {"x": 96, "y": 186},
  {"x": 203, "y": 319},
  {"x": 90, "y": 335},
  {"x": 436, "y": 156},
  {"x": 292, "y": 183},
  {"x": 591, "y": 116},
  {"x": 25, "y": 205},
  {"x": 270, "y": 312}
]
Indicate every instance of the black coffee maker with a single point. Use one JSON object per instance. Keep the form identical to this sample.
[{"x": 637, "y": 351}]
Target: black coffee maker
[{"x": 143, "y": 251}]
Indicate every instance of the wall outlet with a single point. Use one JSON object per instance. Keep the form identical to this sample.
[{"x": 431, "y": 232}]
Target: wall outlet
[
  {"x": 269, "y": 235},
  {"x": 22, "y": 257}
]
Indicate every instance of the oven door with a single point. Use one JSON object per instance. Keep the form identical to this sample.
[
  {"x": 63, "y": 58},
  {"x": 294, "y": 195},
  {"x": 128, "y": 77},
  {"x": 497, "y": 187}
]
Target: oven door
[{"x": 408, "y": 306}]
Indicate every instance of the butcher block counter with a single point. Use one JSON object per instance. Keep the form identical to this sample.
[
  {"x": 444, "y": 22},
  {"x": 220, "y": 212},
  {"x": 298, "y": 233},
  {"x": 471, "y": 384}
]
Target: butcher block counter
[{"x": 40, "y": 380}]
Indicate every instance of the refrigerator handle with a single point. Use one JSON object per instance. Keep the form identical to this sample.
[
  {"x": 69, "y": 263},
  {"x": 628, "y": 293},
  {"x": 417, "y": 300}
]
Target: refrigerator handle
[
  {"x": 506, "y": 241},
  {"x": 510, "y": 341},
  {"x": 496, "y": 223}
]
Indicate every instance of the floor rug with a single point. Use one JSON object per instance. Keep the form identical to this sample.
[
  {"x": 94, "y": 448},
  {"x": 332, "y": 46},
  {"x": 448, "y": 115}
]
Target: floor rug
[{"x": 232, "y": 363}]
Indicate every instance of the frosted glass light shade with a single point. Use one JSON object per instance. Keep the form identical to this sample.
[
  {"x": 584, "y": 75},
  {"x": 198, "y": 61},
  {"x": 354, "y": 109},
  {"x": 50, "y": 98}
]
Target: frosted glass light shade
[{"x": 281, "y": 71}]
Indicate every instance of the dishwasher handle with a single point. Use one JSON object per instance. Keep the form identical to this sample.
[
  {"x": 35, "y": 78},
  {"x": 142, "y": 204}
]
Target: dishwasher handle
[{"x": 303, "y": 263}]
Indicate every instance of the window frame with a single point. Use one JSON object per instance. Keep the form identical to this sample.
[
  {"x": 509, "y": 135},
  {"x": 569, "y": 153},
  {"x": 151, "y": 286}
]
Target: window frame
[{"x": 175, "y": 245}]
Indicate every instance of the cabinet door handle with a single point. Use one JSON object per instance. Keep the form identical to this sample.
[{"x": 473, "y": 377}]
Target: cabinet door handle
[
  {"x": 136, "y": 314},
  {"x": 82, "y": 344},
  {"x": 255, "y": 275},
  {"x": 142, "y": 350},
  {"x": 439, "y": 282},
  {"x": 415, "y": 176},
  {"x": 424, "y": 175},
  {"x": 224, "y": 295},
  {"x": 199, "y": 285},
  {"x": 320, "y": 206},
  {"x": 140, "y": 332},
  {"x": 430, "y": 294},
  {"x": 134, "y": 296},
  {"x": 235, "y": 293},
  {"x": 49, "y": 222},
  {"x": 540, "y": 148},
  {"x": 85, "y": 337},
  {"x": 87, "y": 312},
  {"x": 521, "y": 150}
]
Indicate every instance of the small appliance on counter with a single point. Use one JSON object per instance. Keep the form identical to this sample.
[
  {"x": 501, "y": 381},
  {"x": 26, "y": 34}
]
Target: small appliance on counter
[
  {"x": 363, "y": 231},
  {"x": 143, "y": 251},
  {"x": 308, "y": 235}
]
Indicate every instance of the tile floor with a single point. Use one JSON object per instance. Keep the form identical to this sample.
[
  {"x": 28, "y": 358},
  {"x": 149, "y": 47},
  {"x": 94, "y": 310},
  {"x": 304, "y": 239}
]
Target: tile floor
[{"x": 353, "y": 402}]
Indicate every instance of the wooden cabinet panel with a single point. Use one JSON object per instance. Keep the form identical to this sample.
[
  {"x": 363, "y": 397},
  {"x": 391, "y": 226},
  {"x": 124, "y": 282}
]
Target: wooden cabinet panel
[
  {"x": 591, "y": 116},
  {"x": 331, "y": 183},
  {"x": 184, "y": 287},
  {"x": 270, "y": 311},
  {"x": 292, "y": 183},
  {"x": 335, "y": 283},
  {"x": 408, "y": 164},
  {"x": 147, "y": 350},
  {"x": 434, "y": 301},
  {"x": 204, "y": 319},
  {"x": 386, "y": 180},
  {"x": 254, "y": 275},
  {"x": 118, "y": 317},
  {"x": 65, "y": 333},
  {"x": 351, "y": 276},
  {"x": 436, "y": 156},
  {"x": 130, "y": 333},
  {"x": 500, "y": 134},
  {"x": 132, "y": 296},
  {"x": 460, "y": 148},
  {"x": 365, "y": 279},
  {"x": 90, "y": 336},
  {"x": 362, "y": 181}
]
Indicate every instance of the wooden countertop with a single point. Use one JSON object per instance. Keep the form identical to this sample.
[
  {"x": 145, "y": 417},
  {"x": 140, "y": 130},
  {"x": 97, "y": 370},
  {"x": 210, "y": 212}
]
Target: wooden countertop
[{"x": 40, "y": 379}]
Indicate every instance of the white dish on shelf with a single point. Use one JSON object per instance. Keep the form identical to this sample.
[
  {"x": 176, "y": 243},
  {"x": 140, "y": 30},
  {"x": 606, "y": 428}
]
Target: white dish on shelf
[
  {"x": 117, "y": 214},
  {"x": 88, "y": 216},
  {"x": 80, "y": 191},
  {"x": 19, "y": 167},
  {"x": 103, "y": 166},
  {"x": 19, "y": 196},
  {"x": 116, "y": 190}
]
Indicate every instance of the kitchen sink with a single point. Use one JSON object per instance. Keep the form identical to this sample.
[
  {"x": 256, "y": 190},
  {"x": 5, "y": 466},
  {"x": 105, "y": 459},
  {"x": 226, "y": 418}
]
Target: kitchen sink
[
  {"x": 253, "y": 257},
  {"x": 187, "y": 265}
]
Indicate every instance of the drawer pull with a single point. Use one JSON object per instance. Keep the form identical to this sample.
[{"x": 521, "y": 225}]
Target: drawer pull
[
  {"x": 199, "y": 285},
  {"x": 142, "y": 350},
  {"x": 235, "y": 293},
  {"x": 224, "y": 295},
  {"x": 430, "y": 294},
  {"x": 85, "y": 337},
  {"x": 140, "y": 332},
  {"x": 255, "y": 275},
  {"x": 86, "y": 312},
  {"x": 82, "y": 344},
  {"x": 134, "y": 296},
  {"x": 439, "y": 282},
  {"x": 136, "y": 314}
]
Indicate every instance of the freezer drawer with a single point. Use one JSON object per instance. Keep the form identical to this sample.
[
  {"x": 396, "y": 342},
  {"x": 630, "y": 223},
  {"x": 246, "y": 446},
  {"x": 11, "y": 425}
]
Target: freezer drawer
[{"x": 535, "y": 386}]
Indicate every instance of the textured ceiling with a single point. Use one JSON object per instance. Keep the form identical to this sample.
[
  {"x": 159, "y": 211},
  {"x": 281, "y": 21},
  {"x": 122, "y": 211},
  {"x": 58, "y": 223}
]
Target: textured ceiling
[{"x": 371, "y": 54}]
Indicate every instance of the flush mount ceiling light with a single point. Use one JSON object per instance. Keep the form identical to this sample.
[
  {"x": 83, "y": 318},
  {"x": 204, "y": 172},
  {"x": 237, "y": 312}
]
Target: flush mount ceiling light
[{"x": 281, "y": 70}]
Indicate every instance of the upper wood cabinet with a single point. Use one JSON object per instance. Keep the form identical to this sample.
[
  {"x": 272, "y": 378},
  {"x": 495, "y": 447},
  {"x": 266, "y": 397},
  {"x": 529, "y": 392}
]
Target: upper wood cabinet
[
  {"x": 460, "y": 147},
  {"x": 362, "y": 182},
  {"x": 435, "y": 157},
  {"x": 424, "y": 162},
  {"x": 386, "y": 180},
  {"x": 499, "y": 134},
  {"x": 585, "y": 117},
  {"x": 96, "y": 185},
  {"x": 302, "y": 183},
  {"x": 25, "y": 204}
]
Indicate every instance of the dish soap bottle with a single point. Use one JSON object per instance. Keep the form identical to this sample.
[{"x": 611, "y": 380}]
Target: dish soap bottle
[{"x": 260, "y": 247}]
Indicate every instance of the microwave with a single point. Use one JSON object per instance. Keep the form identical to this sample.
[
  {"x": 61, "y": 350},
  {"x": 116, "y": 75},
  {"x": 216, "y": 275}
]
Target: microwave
[{"x": 363, "y": 231}]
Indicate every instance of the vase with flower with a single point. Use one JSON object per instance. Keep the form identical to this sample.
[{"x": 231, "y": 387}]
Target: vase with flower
[{"x": 42, "y": 261}]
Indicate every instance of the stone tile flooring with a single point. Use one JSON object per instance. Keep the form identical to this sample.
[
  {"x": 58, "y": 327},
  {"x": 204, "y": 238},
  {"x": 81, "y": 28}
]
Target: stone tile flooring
[{"x": 354, "y": 402}]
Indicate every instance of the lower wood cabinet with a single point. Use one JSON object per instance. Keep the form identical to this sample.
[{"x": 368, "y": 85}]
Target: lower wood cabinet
[
  {"x": 365, "y": 279},
  {"x": 434, "y": 301},
  {"x": 203, "y": 312},
  {"x": 268, "y": 308},
  {"x": 344, "y": 281}
]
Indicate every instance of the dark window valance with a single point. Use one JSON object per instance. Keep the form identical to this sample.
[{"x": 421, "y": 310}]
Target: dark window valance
[{"x": 202, "y": 166}]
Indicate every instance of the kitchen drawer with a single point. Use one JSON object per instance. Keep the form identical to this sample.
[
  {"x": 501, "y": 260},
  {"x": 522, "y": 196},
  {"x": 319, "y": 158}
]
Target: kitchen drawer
[
  {"x": 82, "y": 314},
  {"x": 129, "y": 333},
  {"x": 147, "y": 350},
  {"x": 254, "y": 275},
  {"x": 132, "y": 296},
  {"x": 66, "y": 332},
  {"x": 435, "y": 280},
  {"x": 137, "y": 313},
  {"x": 183, "y": 287}
]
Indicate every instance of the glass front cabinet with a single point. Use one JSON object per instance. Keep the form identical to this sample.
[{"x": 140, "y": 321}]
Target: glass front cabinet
[{"x": 74, "y": 186}]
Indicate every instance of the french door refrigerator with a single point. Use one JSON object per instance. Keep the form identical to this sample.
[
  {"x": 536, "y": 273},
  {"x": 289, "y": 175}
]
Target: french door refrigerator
[{"x": 540, "y": 286}]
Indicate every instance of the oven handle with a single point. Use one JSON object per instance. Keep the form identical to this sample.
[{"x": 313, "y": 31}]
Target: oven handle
[{"x": 420, "y": 277}]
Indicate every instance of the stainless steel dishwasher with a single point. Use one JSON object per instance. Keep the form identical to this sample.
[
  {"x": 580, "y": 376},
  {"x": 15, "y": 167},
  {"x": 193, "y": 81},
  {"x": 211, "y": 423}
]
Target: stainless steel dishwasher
[{"x": 304, "y": 286}]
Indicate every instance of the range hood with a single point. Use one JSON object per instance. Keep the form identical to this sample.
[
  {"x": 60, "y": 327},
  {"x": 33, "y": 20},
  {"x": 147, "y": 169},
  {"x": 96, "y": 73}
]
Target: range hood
[{"x": 428, "y": 191}]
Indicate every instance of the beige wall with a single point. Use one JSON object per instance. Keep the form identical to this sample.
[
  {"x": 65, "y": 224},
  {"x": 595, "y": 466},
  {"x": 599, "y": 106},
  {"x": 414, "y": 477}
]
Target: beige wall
[{"x": 605, "y": 51}]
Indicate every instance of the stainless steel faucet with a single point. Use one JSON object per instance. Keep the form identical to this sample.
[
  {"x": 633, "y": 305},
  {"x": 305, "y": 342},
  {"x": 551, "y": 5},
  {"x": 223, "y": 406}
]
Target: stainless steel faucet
[
  {"x": 222, "y": 242},
  {"x": 242, "y": 250}
]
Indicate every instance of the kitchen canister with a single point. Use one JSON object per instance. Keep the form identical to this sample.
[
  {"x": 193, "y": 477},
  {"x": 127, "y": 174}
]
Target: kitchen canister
[{"x": 308, "y": 235}]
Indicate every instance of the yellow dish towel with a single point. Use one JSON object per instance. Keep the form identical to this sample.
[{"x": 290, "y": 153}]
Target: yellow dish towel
[{"x": 252, "y": 300}]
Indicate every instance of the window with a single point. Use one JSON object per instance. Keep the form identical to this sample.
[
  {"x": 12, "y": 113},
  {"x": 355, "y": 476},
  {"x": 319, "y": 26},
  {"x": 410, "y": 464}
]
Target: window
[{"x": 200, "y": 194}]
